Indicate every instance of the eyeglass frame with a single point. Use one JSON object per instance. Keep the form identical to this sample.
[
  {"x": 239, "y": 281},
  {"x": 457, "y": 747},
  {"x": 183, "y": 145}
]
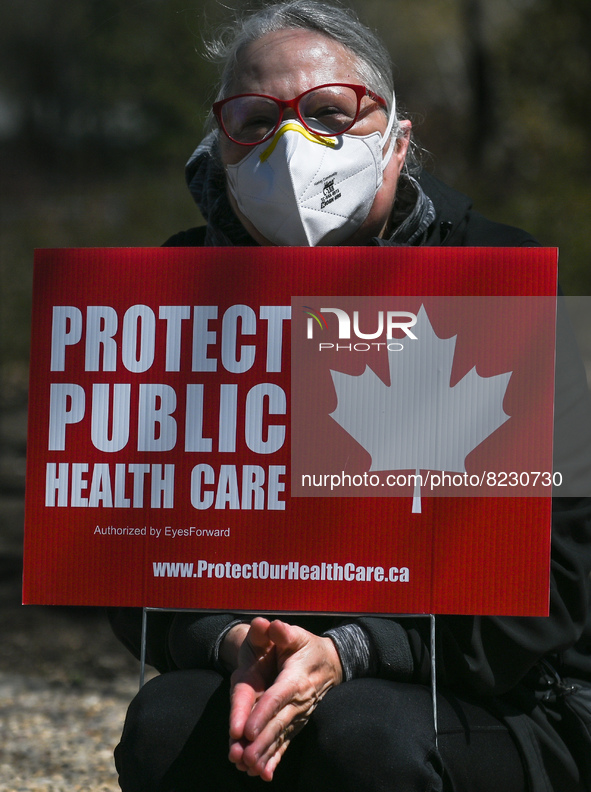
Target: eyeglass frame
[{"x": 293, "y": 104}]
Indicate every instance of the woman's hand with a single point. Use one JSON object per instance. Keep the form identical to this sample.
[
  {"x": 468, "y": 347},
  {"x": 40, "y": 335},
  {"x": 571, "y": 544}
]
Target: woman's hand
[
  {"x": 283, "y": 672},
  {"x": 250, "y": 652}
]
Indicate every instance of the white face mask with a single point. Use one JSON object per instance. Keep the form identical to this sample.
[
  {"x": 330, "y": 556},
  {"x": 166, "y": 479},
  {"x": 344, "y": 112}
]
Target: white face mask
[{"x": 303, "y": 189}]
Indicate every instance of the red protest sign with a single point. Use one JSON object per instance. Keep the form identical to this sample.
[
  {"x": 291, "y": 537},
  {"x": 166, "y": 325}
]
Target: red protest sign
[{"x": 161, "y": 433}]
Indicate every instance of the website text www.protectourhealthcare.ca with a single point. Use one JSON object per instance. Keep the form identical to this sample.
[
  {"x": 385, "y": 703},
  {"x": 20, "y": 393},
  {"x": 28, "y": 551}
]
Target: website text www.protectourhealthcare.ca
[{"x": 294, "y": 570}]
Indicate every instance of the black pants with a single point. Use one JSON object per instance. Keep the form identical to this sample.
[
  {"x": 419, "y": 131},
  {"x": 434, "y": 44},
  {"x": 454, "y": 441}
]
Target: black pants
[{"x": 368, "y": 735}]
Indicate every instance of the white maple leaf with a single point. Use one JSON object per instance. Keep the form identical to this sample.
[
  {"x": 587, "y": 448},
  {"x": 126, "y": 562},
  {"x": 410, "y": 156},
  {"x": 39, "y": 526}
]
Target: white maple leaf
[{"x": 419, "y": 422}]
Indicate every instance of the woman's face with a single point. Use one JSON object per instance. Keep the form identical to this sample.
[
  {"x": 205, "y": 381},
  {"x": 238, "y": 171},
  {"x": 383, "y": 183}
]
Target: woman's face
[{"x": 288, "y": 62}]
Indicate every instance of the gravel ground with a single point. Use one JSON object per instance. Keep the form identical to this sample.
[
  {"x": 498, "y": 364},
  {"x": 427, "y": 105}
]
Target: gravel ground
[
  {"x": 59, "y": 737},
  {"x": 64, "y": 688}
]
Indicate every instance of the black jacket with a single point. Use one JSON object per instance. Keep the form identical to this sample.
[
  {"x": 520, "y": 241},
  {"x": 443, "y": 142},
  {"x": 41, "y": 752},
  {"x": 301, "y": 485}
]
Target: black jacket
[{"x": 514, "y": 666}]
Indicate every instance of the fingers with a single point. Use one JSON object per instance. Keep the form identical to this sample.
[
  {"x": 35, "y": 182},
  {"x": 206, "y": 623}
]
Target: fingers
[
  {"x": 267, "y": 770},
  {"x": 309, "y": 666},
  {"x": 258, "y": 634},
  {"x": 243, "y": 699},
  {"x": 286, "y": 709},
  {"x": 255, "y": 672},
  {"x": 283, "y": 634},
  {"x": 281, "y": 695},
  {"x": 273, "y": 698},
  {"x": 260, "y": 740},
  {"x": 263, "y": 755},
  {"x": 260, "y": 755},
  {"x": 236, "y": 752}
]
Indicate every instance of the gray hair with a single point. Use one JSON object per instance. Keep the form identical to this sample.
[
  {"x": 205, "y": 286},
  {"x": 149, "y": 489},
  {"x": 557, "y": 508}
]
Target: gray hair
[{"x": 374, "y": 66}]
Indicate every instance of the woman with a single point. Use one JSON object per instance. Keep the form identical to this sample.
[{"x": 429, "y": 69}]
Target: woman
[{"x": 306, "y": 110}]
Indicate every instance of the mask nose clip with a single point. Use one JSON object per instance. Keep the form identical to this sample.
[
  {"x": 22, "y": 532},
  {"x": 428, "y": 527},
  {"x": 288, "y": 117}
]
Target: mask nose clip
[{"x": 295, "y": 126}]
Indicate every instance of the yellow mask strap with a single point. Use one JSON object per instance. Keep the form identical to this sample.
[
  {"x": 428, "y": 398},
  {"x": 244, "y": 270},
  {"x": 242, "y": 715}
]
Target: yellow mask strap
[{"x": 293, "y": 127}]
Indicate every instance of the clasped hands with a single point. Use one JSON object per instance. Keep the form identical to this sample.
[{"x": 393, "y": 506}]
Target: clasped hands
[{"x": 279, "y": 674}]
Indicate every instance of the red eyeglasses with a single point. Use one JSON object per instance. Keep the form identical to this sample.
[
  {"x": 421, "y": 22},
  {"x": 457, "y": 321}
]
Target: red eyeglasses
[{"x": 327, "y": 110}]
